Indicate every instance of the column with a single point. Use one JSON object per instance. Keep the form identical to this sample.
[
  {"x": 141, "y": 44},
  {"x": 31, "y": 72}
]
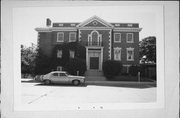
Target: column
[
  {"x": 87, "y": 58},
  {"x": 101, "y": 58}
]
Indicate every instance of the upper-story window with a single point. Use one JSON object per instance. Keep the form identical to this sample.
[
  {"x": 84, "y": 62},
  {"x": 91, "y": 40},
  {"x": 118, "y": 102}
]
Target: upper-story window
[
  {"x": 72, "y": 36},
  {"x": 117, "y": 37},
  {"x": 60, "y": 37},
  {"x": 94, "y": 38},
  {"x": 72, "y": 53},
  {"x": 59, "y": 68},
  {"x": 129, "y": 38},
  {"x": 130, "y": 54},
  {"x": 59, "y": 53},
  {"x": 117, "y": 53}
]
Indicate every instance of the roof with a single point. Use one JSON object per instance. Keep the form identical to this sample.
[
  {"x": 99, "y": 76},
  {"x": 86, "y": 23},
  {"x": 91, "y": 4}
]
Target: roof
[
  {"x": 133, "y": 25},
  {"x": 65, "y": 24}
]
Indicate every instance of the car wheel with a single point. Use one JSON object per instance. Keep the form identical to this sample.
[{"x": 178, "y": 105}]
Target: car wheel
[
  {"x": 76, "y": 82},
  {"x": 47, "y": 82}
]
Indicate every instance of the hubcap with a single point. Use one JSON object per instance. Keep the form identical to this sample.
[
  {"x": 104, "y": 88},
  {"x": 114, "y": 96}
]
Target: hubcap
[{"x": 76, "y": 82}]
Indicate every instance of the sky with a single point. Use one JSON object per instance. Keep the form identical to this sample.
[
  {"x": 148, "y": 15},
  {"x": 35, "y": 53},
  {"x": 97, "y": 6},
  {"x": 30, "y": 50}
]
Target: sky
[{"x": 26, "y": 19}]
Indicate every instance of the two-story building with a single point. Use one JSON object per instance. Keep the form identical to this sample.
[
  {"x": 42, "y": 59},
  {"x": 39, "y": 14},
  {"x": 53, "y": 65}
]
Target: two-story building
[{"x": 102, "y": 40}]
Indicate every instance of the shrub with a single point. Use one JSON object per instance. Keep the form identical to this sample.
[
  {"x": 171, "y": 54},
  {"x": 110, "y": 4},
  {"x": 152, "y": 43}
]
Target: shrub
[
  {"x": 42, "y": 65},
  {"x": 133, "y": 70},
  {"x": 111, "y": 68},
  {"x": 74, "y": 65}
]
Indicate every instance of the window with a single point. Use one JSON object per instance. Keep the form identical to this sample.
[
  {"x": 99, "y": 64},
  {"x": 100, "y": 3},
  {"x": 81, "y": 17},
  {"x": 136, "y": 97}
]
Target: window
[
  {"x": 129, "y": 38},
  {"x": 55, "y": 74},
  {"x": 62, "y": 74},
  {"x": 60, "y": 37},
  {"x": 130, "y": 54},
  {"x": 126, "y": 68},
  {"x": 117, "y": 37},
  {"x": 117, "y": 53},
  {"x": 94, "y": 39},
  {"x": 72, "y": 53},
  {"x": 59, "y": 54},
  {"x": 59, "y": 68},
  {"x": 72, "y": 37}
]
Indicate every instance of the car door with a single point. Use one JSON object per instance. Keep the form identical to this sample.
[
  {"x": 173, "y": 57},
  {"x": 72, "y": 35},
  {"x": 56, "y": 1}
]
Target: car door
[
  {"x": 54, "y": 77},
  {"x": 58, "y": 78},
  {"x": 64, "y": 78}
]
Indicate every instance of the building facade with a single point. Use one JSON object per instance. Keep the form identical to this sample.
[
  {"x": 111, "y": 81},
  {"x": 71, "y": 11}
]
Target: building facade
[{"x": 102, "y": 40}]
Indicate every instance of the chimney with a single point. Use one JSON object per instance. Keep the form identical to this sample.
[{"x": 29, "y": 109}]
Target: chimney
[{"x": 48, "y": 22}]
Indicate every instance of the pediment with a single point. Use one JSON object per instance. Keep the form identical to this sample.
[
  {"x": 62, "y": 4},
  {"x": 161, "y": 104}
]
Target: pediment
[{"x": 95, "y": 22}]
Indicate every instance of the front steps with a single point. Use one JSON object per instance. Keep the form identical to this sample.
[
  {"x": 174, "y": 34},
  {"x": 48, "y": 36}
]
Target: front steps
[{"x": 94, "y": 75}]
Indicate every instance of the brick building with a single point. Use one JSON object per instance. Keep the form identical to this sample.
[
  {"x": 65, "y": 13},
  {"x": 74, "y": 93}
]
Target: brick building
[{"x": 102, "y": 40}]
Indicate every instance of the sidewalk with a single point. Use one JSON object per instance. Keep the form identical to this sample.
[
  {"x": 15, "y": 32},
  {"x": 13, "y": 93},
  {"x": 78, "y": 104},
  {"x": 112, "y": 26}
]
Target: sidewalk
[{"x": 122, "y": 84}]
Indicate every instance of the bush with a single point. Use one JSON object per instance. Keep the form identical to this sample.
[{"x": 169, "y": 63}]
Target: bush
[
  {"x": 133, "y": 70},
  {"x": 80, "y": 53},
  {"x": 111, "y": 68},
  {"x": 74, "y": 65}
]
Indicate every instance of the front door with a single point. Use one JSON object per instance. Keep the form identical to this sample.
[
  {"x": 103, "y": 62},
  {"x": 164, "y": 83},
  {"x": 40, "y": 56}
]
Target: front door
[{"x": 94, "y": 62}]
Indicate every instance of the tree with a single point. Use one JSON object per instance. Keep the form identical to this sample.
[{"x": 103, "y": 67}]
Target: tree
[
  {"x": 147, "y": 49},
  {"x": 76, "y": 65},
  {"x": 43, "y": 63},
  {"x": 28, "y": 56}
]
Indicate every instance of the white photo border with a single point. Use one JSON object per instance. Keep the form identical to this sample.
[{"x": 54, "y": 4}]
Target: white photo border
[{"x": 11, "y": 64}]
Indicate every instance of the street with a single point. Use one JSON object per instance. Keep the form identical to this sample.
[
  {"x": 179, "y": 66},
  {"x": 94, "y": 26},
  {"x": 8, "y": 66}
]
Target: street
[{"x": 91, "y": 92}]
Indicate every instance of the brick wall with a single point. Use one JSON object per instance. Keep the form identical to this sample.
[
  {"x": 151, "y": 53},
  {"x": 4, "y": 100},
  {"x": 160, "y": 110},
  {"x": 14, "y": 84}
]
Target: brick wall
[
  {"x": 49, "y": 39},
  {"x": 66, "y": 37},
  {"x": 123, "y": 44},
  {"x": 45, "y": 43}
]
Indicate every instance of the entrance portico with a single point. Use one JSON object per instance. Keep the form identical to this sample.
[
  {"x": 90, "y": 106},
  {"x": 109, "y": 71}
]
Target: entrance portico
[{"x": 94, "y": 58}]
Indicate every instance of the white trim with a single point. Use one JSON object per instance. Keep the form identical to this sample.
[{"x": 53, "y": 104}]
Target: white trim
[
  {"x": 87, "y": 58},
  {"x": 128, "y": 29},
  {"x": 98, "y": 38},
  {"x": 102, "y": 50},
  {"x": 119, "y": 54},
  {"x": 132, "y": 41},
  {"x": 59, "y": 68},
  {"x": 100, "y": 55},
  {"x": 130, "y": 49},
  {"x": 58, "y": 36},
  {"x": 63, "y": 29},
  {"x": 94, "y": 28},
  {"x": 79, "y": 33},
  {"x": 119, "y": 38},
  {"x": 97, "y": 19},
  {"x": 127, "y": 67},
  {"x": 50, "y": 29},
  {"x": 40, "y": 29},
  {"x": 70, "y": 40},
  {"x": 59, "y": 53},
  {"x": 110, "y": 35},
  {"x": 71, "y": 52}
]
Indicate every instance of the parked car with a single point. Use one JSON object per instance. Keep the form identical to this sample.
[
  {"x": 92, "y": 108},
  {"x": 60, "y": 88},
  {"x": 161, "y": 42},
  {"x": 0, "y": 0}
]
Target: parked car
[{"x": 62, "y": 77}]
